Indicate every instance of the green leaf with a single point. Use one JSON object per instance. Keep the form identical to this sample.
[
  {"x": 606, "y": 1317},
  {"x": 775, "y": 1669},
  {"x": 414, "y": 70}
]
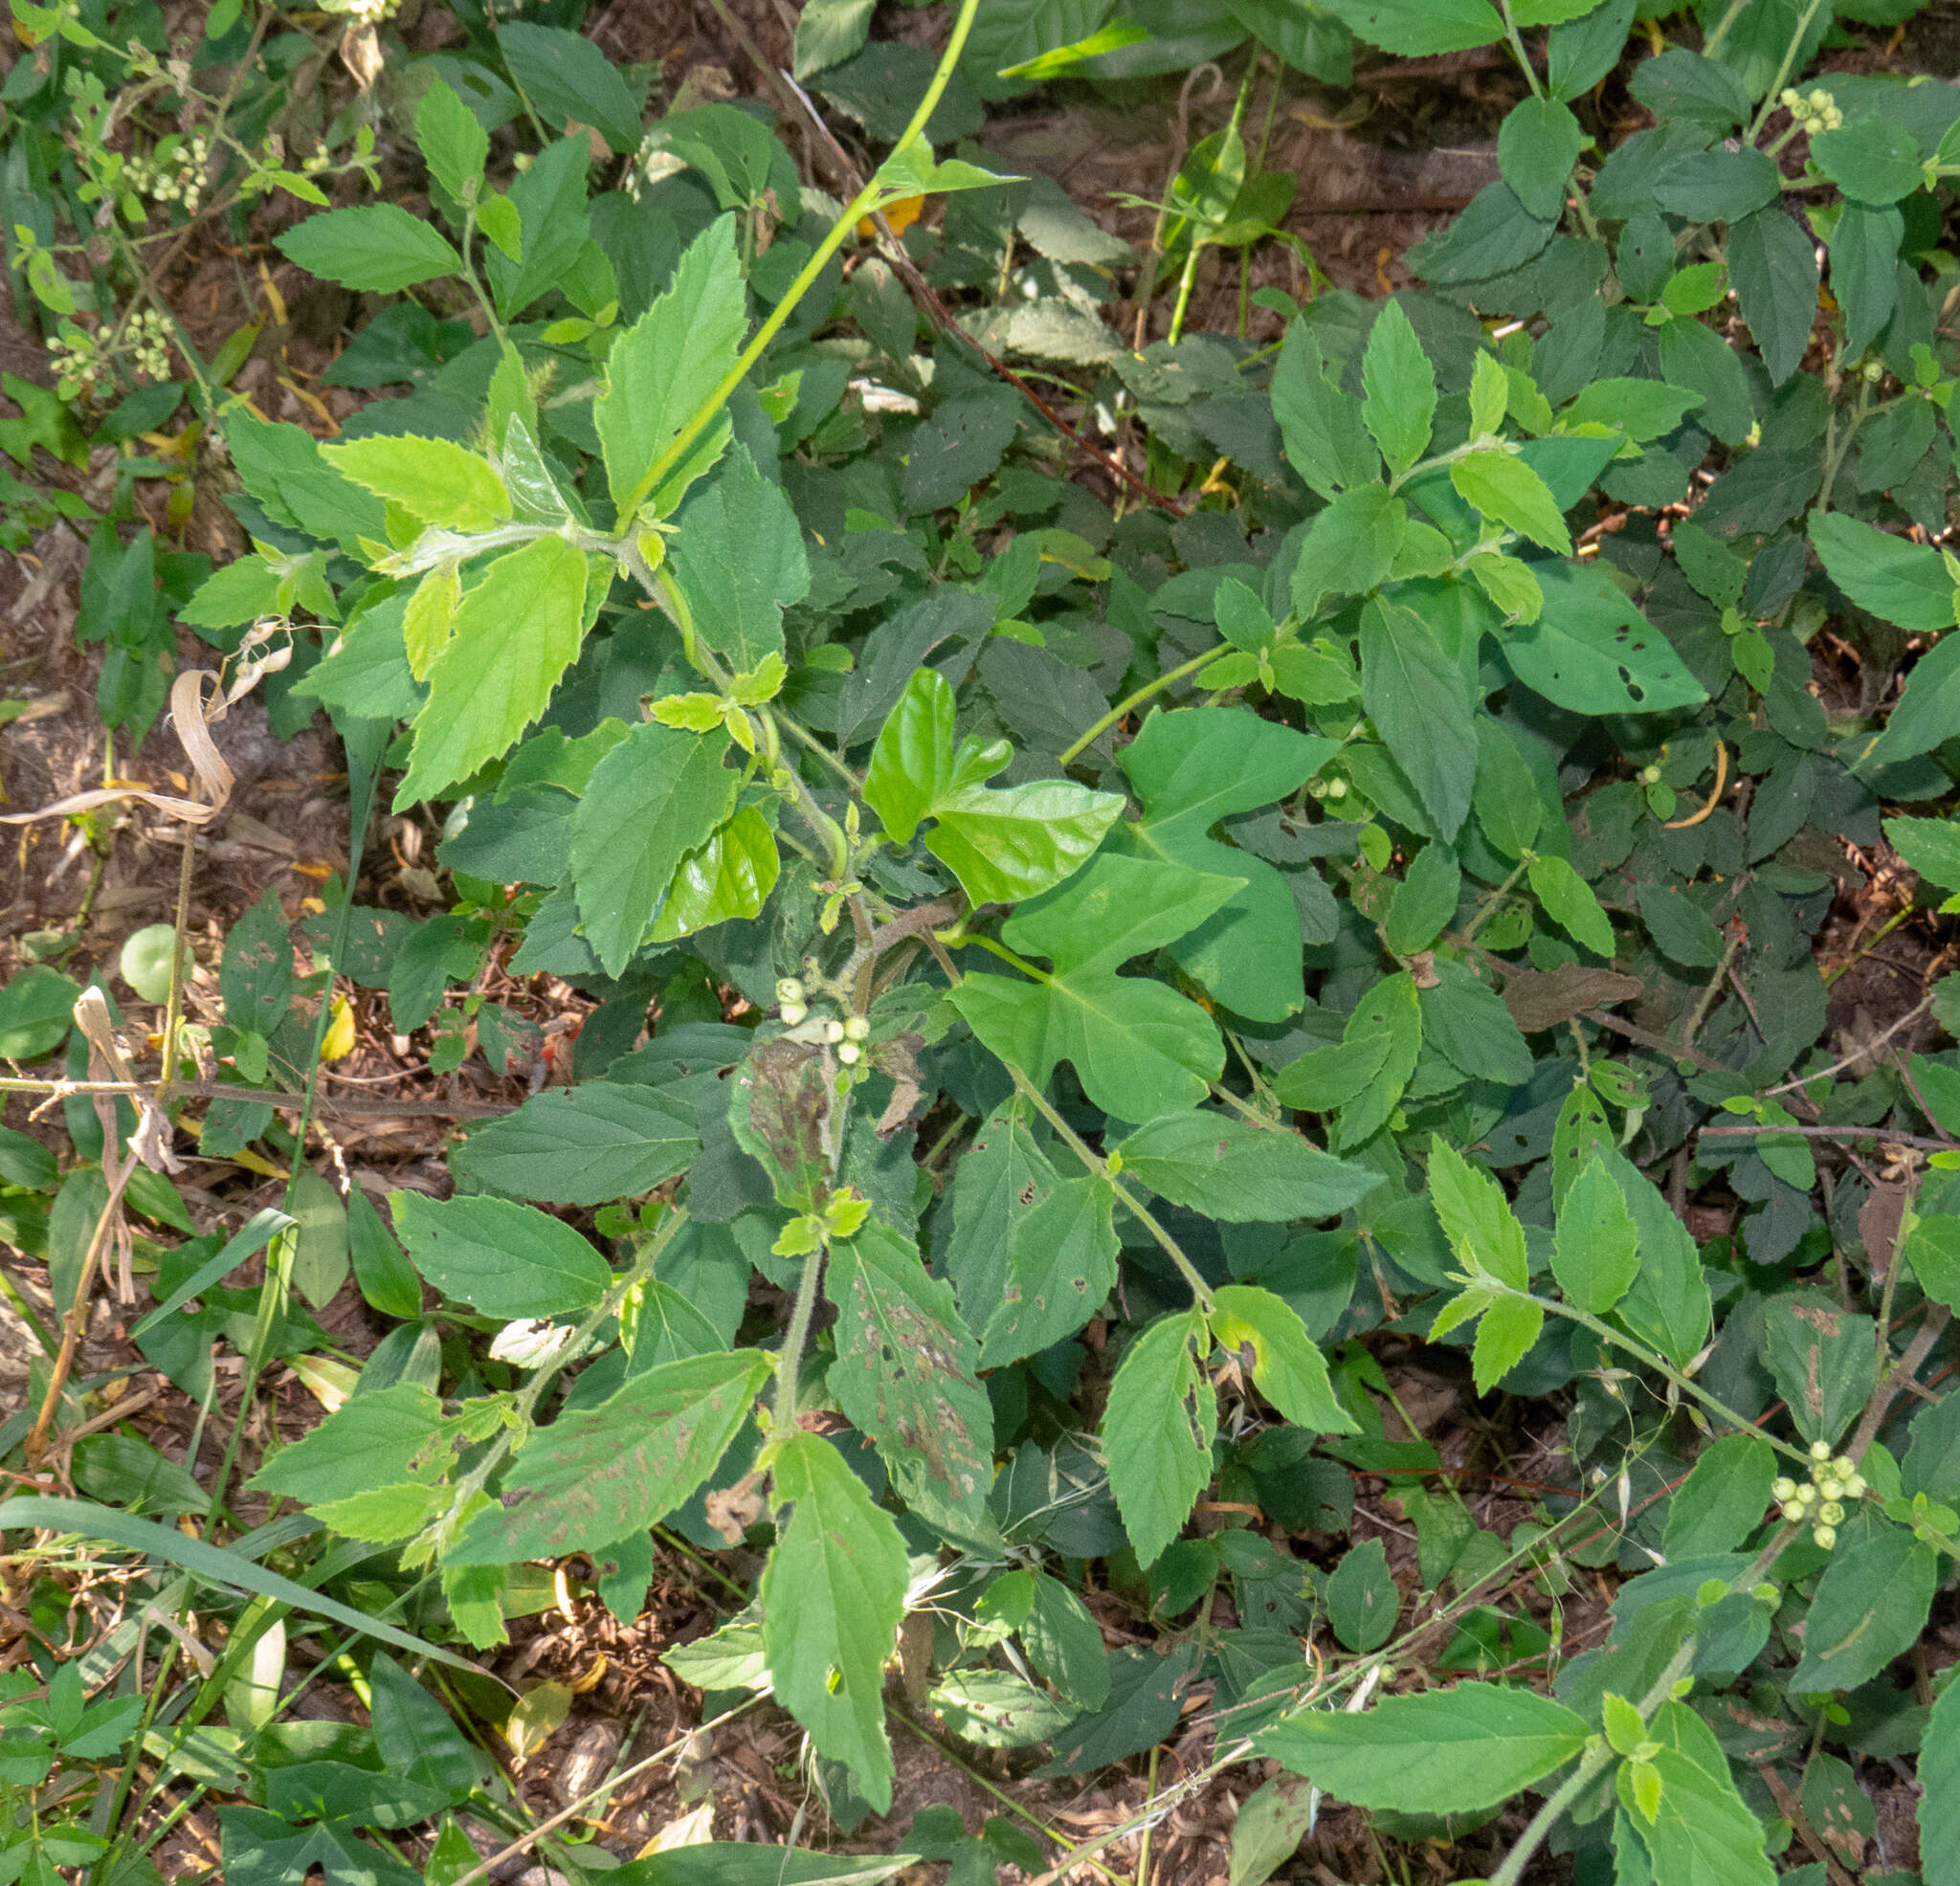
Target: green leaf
[
  {"x": 1477, "y": 1218},
  {"x": 378, "y": 248},
  {"x": 1466, "y": 1022},
  {"x": 1702, "y": 1832},
  {"x": 320, "y": 1238},
  {"x": 1930, "y": 845},
  {"x": 1722, "y": 1501},
  {"x": 1506, "y": 795},
  {"x": 1060, "y": 1266},
  {"x": 1643, "y": 410},
  {"x": 1871, "y": 1605},
  {"x": 1349, "y": 547},
  {"x": 1682, "y": 929},
  {"x": 1325, "y": 437},
  {"x": 1507, "y": 1332},
  {"x": 215, "y": 1564},
  {"x": 581, "y": 1146},
  {"x": 1363, "y": 1598},
  {"x": 655, "y": 797},
  {"x": 1774, "y": 267},
  {"x": 1157, "y": 1433},
  {"x": 1287, "y": 1368},
  {"x": 1329, "y": 1077},
  {"x": 1137, "y": 1046},
  {"x": 1593, "y": 652},
  {"x": 780, "y": 1114},
  {"x": 998, "y": 1710},
  {"x": 1400, "y": 386},
  {"x": 568, "y": 80},
  {"x": 1719, "y": 186},
  {"x": 1002, "y": 845},
  {"x": 1390, "y": 1013},
  {"x": 1415, "y": 28},
  {"x": 1927, "y": 714},
  {"x": 504, "y": 1259},
  {"x": 730, "y": 877},
  {"x": 1230, "y": 1170},
  {"x": 1276, "y": 1817},
  {"x": 1569, "y": 901},
  {"x": 1825, "y": 1362},
  {"x": 833, "y": 1594},
  {"x": 384, "y": 1437},
  {"x": 1906, "y": 583},
  {"x": 36, "y": 1009},
  {"x": 1192, "y": 769},
  {"x": 668, "y": 363},
  {"x": 1508, "y": 492},
  {"x": 523, "y": 622},
  {"x": 1939, "y": 1792},
  {"x": 829, "y": 31},
  {"x": 1453, "y": 1751},
  {"x": 385, "y": 1277},
  {"x": 739, "y": 561},
  {"x": 1864, "y": 253},
  {"x": 1537, "y": 146},
  {"x": 1425, "y": 901},
  {"x": 1667, "y": 1305},
  {"x": 1494, "y": 234},
  {"x": 434, "y": 479},
  {"x": 1416, "y": 696},
  {"x": 452, "y": 140},
  {"x": 904, "y": 1373},
  {"x": 1597, "y": 1254},
  {"x": 620, "y": 1466},
  {"x": 1869, "y": 160},
  {"x": 1694, "y": 355},
  {"x": 255, "y": 977},
  {"x": 1064, "y": 1643}
]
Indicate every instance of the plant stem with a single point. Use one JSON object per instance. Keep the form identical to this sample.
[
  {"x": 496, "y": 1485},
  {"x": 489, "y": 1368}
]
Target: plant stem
[
  {"x": 1142, "y": 694},
  {"x": 1488, "y": 907},
  {"x": 1712, "y": 45},
  {"x": 854, "y": 210},
  {"x": 1790, "y": 51},
  {"x": 1518, "y": 52},
  {"x": 790, "y": 1357}
]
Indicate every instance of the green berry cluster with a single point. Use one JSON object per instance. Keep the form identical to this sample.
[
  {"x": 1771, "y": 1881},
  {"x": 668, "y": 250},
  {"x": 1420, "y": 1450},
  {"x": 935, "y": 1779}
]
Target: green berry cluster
[
  {"x": 847, "y": 1036},
  {"x": 1819, "y": 1501},
  {"x": 1815, "y": 111}
]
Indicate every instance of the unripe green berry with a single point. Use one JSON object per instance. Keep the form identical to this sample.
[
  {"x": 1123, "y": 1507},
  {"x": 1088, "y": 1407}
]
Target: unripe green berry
[
  {"x": 1782, "y": 1489},
  {"x": 856, "y": 1028},
  {"x": 1830, "y": 1488},
  {"x": 1874, "y": 372},
  {"x": 1826, "y": 1536},
  {"x": 793, "y": 1014},
  {"x": 834, "y": 1033},
  {"x": 1854, "y": 1488},
  {"x": 1336, "y": 788},
  {"x": 789, "y": 989},
  {"x": 1820, "y": 1450},
  {"x": 1844, "y": 1467},
  {"x": 1807, "y": 1495},
  {"x": 1794, "y": 1511},
  {"x": 1831, "y": 1512},
  {"x": 849, "y": 1052}
]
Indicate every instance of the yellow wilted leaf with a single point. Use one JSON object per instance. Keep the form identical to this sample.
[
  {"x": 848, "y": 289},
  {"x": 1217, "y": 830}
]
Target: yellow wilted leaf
[
  {"x": 900, "y": 215},
  {"x": 339, "y": 1038}
]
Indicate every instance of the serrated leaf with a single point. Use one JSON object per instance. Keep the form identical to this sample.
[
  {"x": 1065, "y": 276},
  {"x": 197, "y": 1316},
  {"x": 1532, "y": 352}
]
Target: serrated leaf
[
  {"x": 600, "y": 1473},
  {"x": 1569, "y": 901},
  {"x": 1157, "y": 1434},
  {"x": 1507, "y": 491},
  {"x": 435, "y": 479},
  {"x": 1508, "y": 1330},
  {"x": 1870, "y": 1607},
  {"x": 1060, "y": 1267},
  {"x": 581, "y": 1146},
  {"x": 1416, "y": 696},
  {"x": 833, "y": 1594},
  {"x": 1597, "y": 1254},
  {"x": 1825, "y": 1360},
  {"x": 1416, "y": 28},
  {"x": 1702, "y": 1834},
  {"x": 1930, "y": 845},
  {"x": 1349, "y": 547},
  {"x": 1400, "y": 384},
  {"x": 1451, "y": 1751},
  {"x": 1906, "y": 583},
  {"x": 1722, "y": 1501},
  {"x": 656, "y": 796},
  {"x": 1477, "y": 1218},
  {"x": 378, "y": 248},
  {"x": 730, "y": 877},
  {"x": 1390, "y": 1011},
  {"x": 1537, "y": 146},
  {"x": 1425, "y": 901},
  {"x": 1939, "y": 1795},
  {"x": 523, "y": 622},
  {"x": 904, "y": 1373},
  {"x": 386, "y": 1438},
  {"x": 1325, "y": 436},
  {"x": 669, "y": 363},
  {"x": 738, "y": 560}
]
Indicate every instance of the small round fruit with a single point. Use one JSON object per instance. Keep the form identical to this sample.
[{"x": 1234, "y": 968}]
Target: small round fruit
[
  {"x": 1825, "y": 1536},
  {"x": 1854, "y": 1488},
  {"x": 856, "y": 1028},
  {"x": 793, "y": 1014},
  {"x": 1807, "y": 1494},
  {"x": 1794, "y": 1511},
  {"x": 1782, "y": 1489},
  {"x": 1830, "y": 1488},
  {"x": 834, "y": 1032},
  {"x": 1821, "y": 1451},
  {"x": 789, "y": 989},
  {"x": 849, "y": 1052},
  {"x": 1831, "y": 1512},
  {"x": 146, "y": 963},
  {"x": 1844, "y": 1467}
]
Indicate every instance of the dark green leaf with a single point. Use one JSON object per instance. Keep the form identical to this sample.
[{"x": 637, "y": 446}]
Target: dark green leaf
[
  {"x": 1592, "y": 651},
  {"x": 1421, "y": 705},
  {"x": 1230, "y": 1170},
  {"x": 1774, "y": 267},
  {"x": 1537, "y": 146},
  {"x": 581, "y": 1146},
  {"x": 1870, "y": 1607},
  {"x": 1825, "y": 1362}
]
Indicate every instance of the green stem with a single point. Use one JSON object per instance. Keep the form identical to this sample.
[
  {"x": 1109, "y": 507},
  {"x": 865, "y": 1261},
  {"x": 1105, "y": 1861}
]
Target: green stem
[
  {"x": 858, "y": 207},
  {"x": 1488, "y": 907},
  {"x": 1518, "y": 52},
  {"x": 1790, "y": 51},
  {"x": 790, "y": 1357},
  {"x": 477, "y": 287},
  {"x": 1185, "y": 279},
  {"x": 1134, "y": 700},
  {"x": 1837, "y": 451},
  {"x": 1712, "y": 45}
]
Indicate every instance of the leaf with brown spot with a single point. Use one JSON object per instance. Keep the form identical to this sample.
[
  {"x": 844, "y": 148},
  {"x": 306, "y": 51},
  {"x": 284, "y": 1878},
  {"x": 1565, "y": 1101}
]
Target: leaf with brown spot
[
  {"x": 599, "y": 1473},
  {"x": 1825, "y": 1360},
  {"x": 904, "y": 1374},
  {"x": 1541, "y": 1000},
  {"x": 780, "y": 1112}
]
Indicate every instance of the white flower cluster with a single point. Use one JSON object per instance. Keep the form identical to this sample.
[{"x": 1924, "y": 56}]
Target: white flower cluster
[
  {"x": 1815, "y": 111},
  {"x": 176, "y": 178}
]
